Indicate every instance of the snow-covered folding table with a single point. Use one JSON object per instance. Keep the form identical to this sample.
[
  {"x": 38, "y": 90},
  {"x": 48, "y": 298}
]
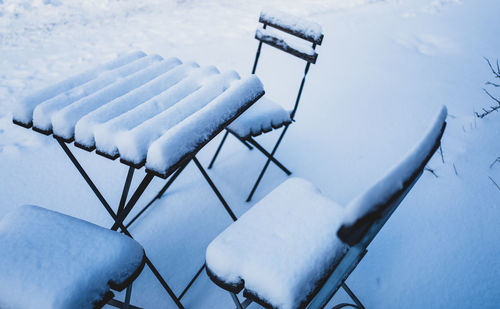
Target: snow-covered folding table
[{"x": 145, "y": 110}]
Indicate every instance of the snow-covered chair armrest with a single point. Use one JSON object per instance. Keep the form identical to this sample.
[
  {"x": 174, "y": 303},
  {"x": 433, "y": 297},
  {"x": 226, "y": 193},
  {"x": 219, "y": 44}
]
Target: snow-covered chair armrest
[{"x": 367, "y": 213}]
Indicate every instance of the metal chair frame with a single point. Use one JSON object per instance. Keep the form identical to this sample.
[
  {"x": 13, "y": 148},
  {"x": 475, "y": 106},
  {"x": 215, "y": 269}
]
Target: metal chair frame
[
  {"x": 250, "y": 141},
  {"x": 358, "y": 236}
]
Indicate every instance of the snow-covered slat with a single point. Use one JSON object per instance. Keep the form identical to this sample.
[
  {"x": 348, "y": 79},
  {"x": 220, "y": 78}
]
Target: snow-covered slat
[
  {"x": 123, "y": 111},
  {"x": 64, "y": 121},
  {"x": 23, "y": 111},
  {"x": 43, "y": 112},
  {"x": 278, "y": 41},
  {"x": 133, "y": 145},
  {"x": 105, "y": 134},
  {"x": 293, "y": 25},
  {"x": 84, "y": 129},
  {"x": 194, "y": 132}
]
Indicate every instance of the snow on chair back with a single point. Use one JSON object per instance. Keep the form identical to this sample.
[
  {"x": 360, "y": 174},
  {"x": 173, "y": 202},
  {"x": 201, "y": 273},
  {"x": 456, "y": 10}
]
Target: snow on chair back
[
  {"x": 293, "y": 25},
  {"x": 367, "y": 213}
]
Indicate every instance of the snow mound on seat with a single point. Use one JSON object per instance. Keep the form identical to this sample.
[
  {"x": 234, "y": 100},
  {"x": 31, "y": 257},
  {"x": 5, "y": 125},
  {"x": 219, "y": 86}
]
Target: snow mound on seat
[
  {"x": 263, "y": 116},
  {"x": 282, "y": 246},
  {"x": 51, "y": 260}
]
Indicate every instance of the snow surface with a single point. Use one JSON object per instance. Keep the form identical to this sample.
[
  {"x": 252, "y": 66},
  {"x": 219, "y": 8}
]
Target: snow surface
[
  {"x": 106, "y": 134},
  {"x": 282, "y": 246},
  {"x": 51, "y": 260},
  {"x": 23, "y": 111},
  {"x": 64, "y": 120},
  {"x": 263, "y": 116},
  {"x": 133, "y": 144},
  {"x": 42, "y": 114},
  {"x": 385, "y": 67},
  {"x": 291, "y": 22},
  {"x": 199, "y": 127},
  {"x": 84, "y": 129}
]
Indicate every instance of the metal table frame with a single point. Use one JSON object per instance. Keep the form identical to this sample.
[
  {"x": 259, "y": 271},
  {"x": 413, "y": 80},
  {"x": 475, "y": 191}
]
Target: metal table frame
[{"x": 125, "y": 206}]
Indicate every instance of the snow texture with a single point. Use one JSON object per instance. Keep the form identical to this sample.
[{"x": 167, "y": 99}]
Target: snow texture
[
  {"x": 123, "y": 111},
  {"x": 387, "y": 66},
  {"x": 394, "y": 180},
  {"x": 64, "y": 121},
  {"x": 42, "y": 115},
  {"x": 198, "y": 128},
  {"x": 23, "y": 111},
  {"x": 293, "y": 23},
  {"x": 263, "y": 116},
  {"x": 51, "y": 260},
  {"x": 106, "y": 133},
  {"x": 282, "y": 246},
  {"x": 85, "y": 126},
  {"x": 133, "y": 144}
]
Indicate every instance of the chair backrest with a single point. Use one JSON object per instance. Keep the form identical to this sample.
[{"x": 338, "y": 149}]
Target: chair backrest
[
  {"x": 367, "y": 213},
  {"x": 307, "y": 35}
]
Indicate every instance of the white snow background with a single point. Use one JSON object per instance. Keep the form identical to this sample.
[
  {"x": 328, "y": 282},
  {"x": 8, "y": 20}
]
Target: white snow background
[{"x": 384, "y": 69}]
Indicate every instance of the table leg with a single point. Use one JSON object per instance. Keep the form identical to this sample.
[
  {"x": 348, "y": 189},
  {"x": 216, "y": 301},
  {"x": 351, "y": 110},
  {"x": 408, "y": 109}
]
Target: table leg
[{"x": 115, "y": 217}]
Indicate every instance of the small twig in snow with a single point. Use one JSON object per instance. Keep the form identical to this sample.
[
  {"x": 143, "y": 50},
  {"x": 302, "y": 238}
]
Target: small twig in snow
[
  {"x": 495, "y": 161},
  {"x": 492, "y": 84},
  {"x": 455, "y": 169},
  {"x": 441, "y": 153},
  {"x": 498, "y": 187},
  {"x": 430, "y": 170},
  {"x": 497, "y": 72}
]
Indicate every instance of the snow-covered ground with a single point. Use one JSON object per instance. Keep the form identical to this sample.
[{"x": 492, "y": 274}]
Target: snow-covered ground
[{"x": 383, "y": 70}]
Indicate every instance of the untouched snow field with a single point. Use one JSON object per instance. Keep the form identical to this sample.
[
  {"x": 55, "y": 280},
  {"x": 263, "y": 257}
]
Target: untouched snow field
[{"x": 383, "y": 71}]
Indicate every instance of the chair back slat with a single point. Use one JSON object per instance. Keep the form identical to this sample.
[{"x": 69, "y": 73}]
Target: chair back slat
[
  {"x": 306, "y": 53},
  {"x": 293, "y": 25},
  {"x": 366, "y": 214}
]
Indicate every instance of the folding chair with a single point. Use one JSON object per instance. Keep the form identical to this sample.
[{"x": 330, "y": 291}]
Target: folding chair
[
  {"x": 295, "y": 248},
  {"x": 265, "y": 114},
  {"x": 51, "y": 260}
]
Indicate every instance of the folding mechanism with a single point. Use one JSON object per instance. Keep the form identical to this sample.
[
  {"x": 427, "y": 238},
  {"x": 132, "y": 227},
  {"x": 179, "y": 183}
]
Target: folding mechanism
[
  {"x": 298, "y": 38},
  {"x": 43, "y": 268},
  {"x": 149, "y": 112},
  {"x": 295, "y": 248}
]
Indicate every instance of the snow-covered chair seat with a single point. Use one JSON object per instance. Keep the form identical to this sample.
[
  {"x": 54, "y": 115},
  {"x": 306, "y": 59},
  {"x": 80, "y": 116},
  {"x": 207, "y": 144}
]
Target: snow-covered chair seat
[
  {"x": 295, "y": 247},
  {"x": 51, "y": 260},
  {"x": 261, "y": 117}
]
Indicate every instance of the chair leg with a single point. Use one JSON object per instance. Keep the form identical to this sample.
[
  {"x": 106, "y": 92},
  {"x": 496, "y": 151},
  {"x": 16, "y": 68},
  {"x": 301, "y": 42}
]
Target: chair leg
[
  {"x": 269, "y": 156},
  {"x": 244, "y": 142},
  {"x": 214, "y": 188},
  {"x": 128, "y": 294},
  {"x": 267, "y": 164},
  {"x": 357, "y": 302},
  {"x": 236, "y": 301},
  {"x": 218, "y": 149}
]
